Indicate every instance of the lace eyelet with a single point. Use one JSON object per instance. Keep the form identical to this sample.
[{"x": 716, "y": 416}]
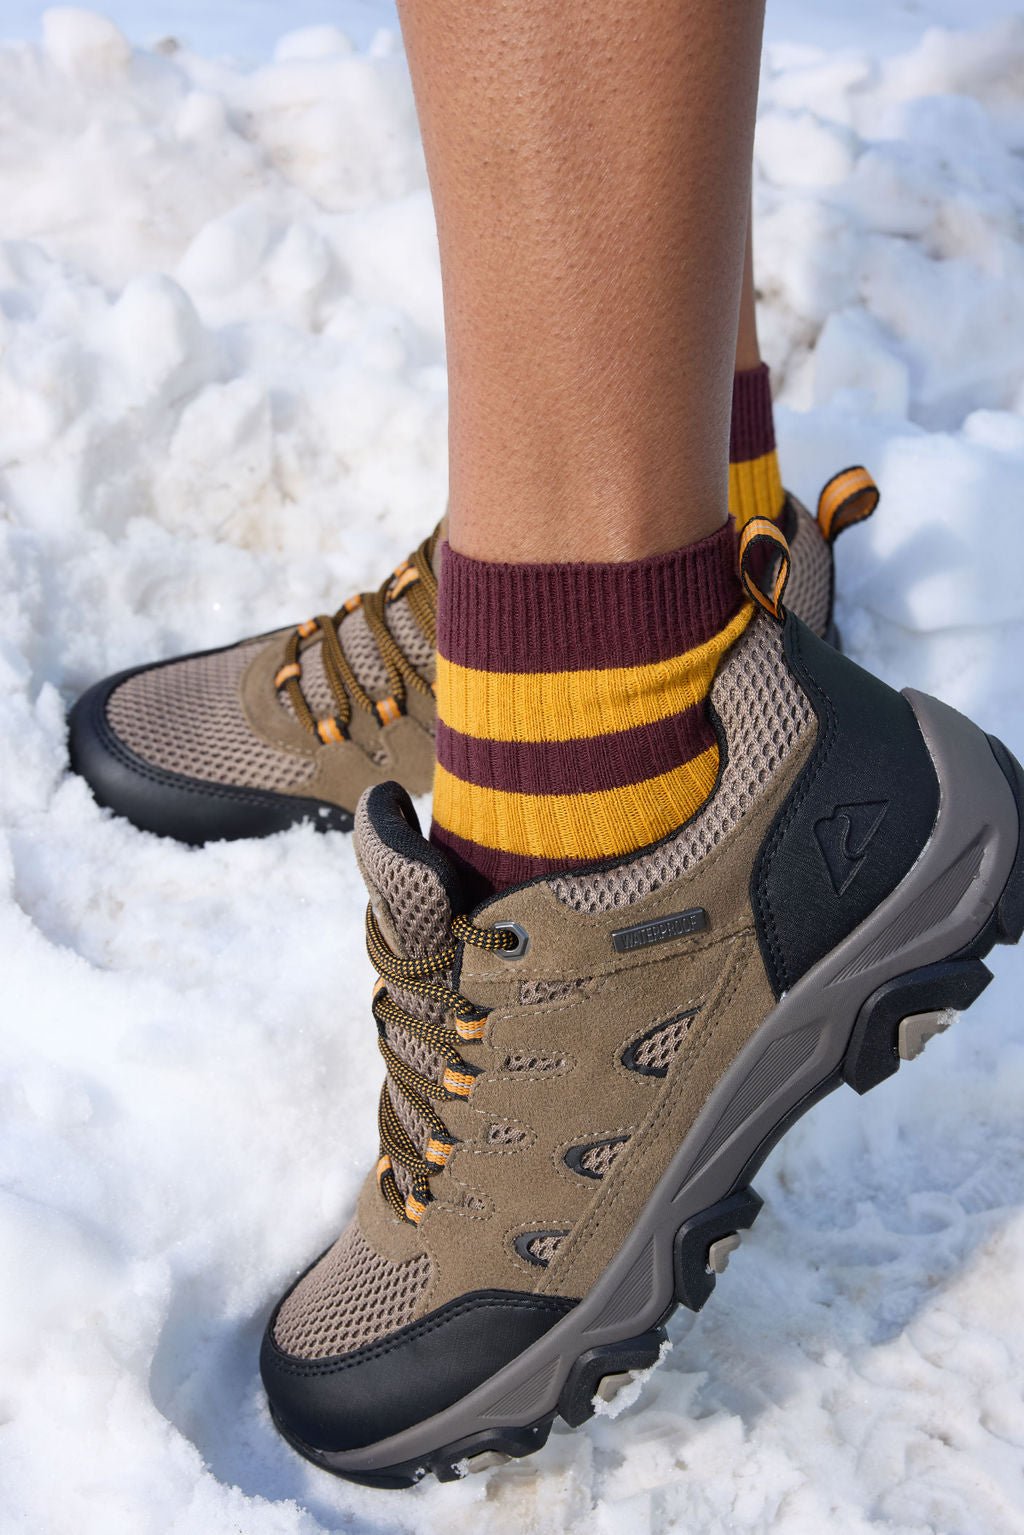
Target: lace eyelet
[
  {"x": 331, "y": 731},
  {"x": 522, "y": 936}
]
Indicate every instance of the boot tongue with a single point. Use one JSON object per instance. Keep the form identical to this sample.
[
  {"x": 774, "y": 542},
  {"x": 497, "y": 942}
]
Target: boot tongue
[
  {"x": 415, "y": 894},
  {"x": 413, "y": 888},
  {"x": 362, "y": 652}
]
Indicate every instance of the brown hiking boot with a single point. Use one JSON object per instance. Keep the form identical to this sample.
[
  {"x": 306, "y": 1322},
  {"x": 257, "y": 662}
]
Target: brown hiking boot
[
  {"x": 293, "y": 726},
  {"x": 584, "y": 1074},
  {"x": 286, "y": 727}
]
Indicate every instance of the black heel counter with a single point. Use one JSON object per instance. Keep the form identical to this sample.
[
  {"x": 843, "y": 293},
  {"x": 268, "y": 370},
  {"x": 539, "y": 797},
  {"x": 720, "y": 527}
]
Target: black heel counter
[{"x": 855, "y": 820}]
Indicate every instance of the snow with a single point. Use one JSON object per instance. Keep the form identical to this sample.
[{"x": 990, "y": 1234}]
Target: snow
[{"x": 222, "y": 407}]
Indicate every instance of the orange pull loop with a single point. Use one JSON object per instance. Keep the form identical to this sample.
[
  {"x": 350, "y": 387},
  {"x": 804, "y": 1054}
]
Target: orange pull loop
[
  {"x": 764, "y": 550},
  {"x": 849, "y": 497}
]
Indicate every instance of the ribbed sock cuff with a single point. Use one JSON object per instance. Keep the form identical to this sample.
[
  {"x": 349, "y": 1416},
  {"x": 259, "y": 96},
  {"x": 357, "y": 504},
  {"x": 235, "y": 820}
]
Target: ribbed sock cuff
[
  {"x": 554, "y": 618},
  {"x": 755, "y": 484},
  {"x": 753, "y": 423}
]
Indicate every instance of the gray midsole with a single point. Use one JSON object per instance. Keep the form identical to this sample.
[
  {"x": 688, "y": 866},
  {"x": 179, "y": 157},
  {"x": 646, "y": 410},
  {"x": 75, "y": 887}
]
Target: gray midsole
[{"x": 940, "y": 906}]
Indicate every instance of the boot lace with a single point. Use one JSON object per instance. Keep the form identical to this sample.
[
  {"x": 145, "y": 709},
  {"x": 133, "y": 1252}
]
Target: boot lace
[
  {"x": 423, "y": 978},
  {"x": 414, "y": 580}
]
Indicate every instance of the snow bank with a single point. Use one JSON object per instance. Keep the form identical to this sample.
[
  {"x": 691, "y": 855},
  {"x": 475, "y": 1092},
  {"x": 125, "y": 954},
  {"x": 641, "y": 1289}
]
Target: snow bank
[{"x": 221, "y": 407}]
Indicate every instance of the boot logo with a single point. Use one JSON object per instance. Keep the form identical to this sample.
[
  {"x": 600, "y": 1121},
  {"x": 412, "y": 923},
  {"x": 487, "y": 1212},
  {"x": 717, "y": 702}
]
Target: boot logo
[
  {"x": 844, "y": 838},
  {"x": 645, "y": 934}
]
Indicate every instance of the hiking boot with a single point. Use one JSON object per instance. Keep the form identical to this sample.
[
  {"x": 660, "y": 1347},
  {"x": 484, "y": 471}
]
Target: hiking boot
[
  {"x": 585, "y": 1072},
  {"x": 293, "y": 726},
  {"x": 289, "y": 726}
]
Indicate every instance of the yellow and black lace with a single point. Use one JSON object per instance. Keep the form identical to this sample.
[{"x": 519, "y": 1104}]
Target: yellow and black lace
[
  {"x": 416, "y": 582},
  {"x": 423, "y": 978}
]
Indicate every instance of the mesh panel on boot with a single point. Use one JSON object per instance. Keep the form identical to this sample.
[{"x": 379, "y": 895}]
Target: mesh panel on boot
[
  {"x": 543, "y": 1249},
  {"x": 188, "y": 718},
  {"x": 410, "y": 636},
  {"x": 654, "y": 1053},
  {"x": 352, "y": 1296},
  {"x": 314, "y": 684},
  {"x": 413, "y": 1051},
  {"x": 318, "y": 694},
  {"x": 506, "y": 1134},
  {"x": 411, "y": 892},
  {"x": 809, "y": 589},
  {"x": 599, "y": 1160},
  {"x": 416, "y": 1128},
  {"x": 362, "y": 655},
  {"x": 523, "y": 1060},
  {"x": 403, "y": 1179},
  {"x": 531, "y": 992},
  {"x": 763, "y": 714},
  {"x": 417, "y": 908}
]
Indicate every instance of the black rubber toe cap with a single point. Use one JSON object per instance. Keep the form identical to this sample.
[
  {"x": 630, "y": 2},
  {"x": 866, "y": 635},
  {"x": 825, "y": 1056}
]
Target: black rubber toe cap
[
  {"x": 171, "y": 804},
  {"x": 358, "y": 1399}
]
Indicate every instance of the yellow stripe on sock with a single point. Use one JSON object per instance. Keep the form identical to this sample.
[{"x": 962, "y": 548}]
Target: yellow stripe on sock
[
  {"x": 602, "y": 824},
  {"x": 755, "y": 490},
  {"x": 569, "y": 706}
]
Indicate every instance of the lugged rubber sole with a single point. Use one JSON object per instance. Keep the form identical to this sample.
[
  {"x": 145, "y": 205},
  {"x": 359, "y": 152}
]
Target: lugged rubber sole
[
  {"x": 194, "y": 811},
  {"x": 891, "y": 1023}
]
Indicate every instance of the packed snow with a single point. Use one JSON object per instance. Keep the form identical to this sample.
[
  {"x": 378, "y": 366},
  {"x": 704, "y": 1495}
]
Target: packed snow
[{"x": 222, "y": 406}]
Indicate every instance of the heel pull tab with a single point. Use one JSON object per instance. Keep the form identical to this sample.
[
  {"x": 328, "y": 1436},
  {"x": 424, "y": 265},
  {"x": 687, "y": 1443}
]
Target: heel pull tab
[
  {"x": 765, "y": 563},
  {"x": 850, "y": 496}
]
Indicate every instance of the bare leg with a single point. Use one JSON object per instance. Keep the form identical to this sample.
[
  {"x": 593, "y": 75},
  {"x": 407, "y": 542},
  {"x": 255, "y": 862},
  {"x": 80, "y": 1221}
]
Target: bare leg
[
  {"x": 590, "y": 171},
  {"x": 748, "y": 350}
]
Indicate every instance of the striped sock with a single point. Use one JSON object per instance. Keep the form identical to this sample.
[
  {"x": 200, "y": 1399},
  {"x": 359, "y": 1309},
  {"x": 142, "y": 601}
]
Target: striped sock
[
  {"x": 755, "y": 486},
  {"x": 572, "y": 705}
]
